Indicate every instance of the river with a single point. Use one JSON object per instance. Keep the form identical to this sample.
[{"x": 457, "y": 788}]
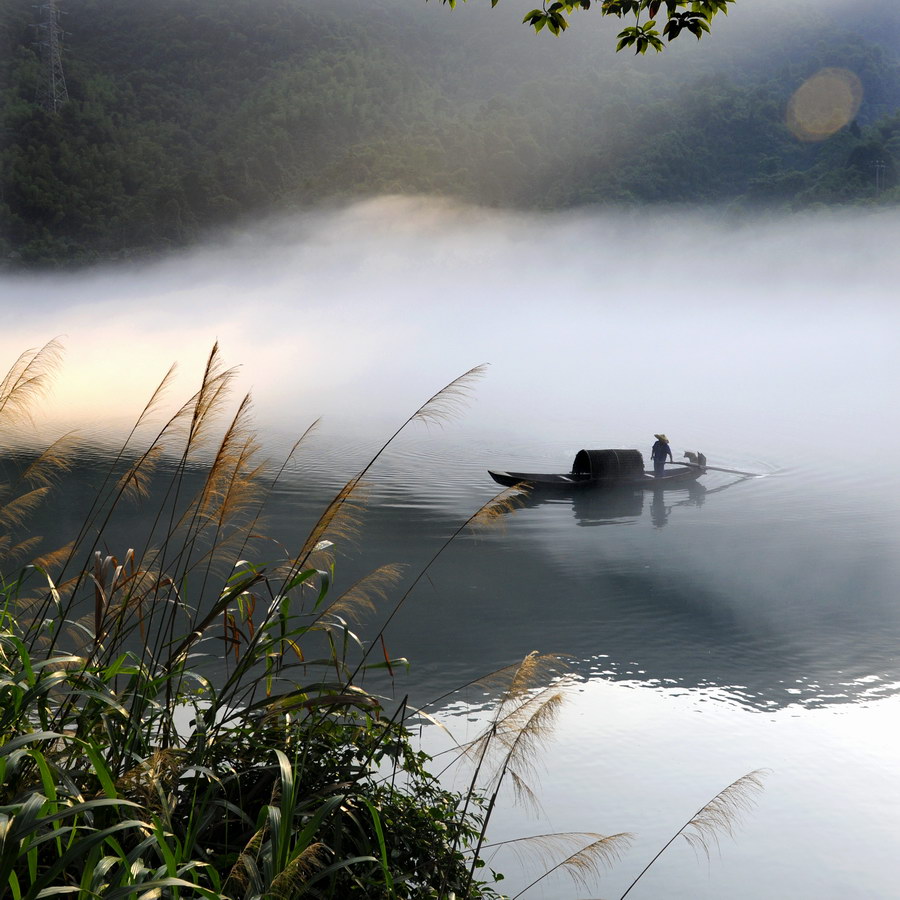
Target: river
[{"x": 749, "y": 623}]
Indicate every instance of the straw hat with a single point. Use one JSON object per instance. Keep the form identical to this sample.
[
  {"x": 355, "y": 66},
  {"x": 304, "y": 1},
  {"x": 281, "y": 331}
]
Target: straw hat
[{"x": 661, "y": 437}]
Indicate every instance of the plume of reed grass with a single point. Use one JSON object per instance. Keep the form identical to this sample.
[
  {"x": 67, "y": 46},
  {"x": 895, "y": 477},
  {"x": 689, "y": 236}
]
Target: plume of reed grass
[
  {"x": 133, "y": 484},
  {"x": 362, "y": 596},
  {"x": 522, "y": 721},
  {"x": 340, "y": 514},
  {"x": 587, "y": 854},
  {"x": 27, "y": 380},
  {"x": 530, "y": 695},
  {"x": 719, "y": 816}
]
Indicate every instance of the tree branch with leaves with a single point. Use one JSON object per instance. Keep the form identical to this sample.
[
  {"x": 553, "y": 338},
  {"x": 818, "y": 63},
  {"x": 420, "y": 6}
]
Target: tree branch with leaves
[{"x": 693, "y": 16}]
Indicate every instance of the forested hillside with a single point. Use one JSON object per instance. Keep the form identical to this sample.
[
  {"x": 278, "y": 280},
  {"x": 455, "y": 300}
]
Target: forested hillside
[{"x": 188, "y": 114}]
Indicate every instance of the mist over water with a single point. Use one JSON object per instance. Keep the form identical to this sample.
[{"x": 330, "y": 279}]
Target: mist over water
[
  {"x": 750, "y": 623},
  {"x": 742, "y": 336}
]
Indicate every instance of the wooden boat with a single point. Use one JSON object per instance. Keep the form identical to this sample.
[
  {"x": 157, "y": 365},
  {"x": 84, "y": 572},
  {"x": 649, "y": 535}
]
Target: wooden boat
[
  {"x": 603, "y": 468},
  {"x": 681, "y": 476}
]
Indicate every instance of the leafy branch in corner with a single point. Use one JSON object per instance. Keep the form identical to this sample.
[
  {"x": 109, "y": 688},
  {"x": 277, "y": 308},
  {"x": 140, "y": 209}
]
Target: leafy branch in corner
[{"x": 692, "y": 16}]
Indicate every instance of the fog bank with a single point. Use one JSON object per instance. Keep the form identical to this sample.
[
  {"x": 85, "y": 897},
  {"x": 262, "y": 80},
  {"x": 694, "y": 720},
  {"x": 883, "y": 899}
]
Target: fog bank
[{"x": 593, "y": 323}]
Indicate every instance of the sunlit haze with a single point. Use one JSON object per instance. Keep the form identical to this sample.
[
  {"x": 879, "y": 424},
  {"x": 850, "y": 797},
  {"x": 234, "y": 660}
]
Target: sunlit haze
[{"x": 762, "y": 331}]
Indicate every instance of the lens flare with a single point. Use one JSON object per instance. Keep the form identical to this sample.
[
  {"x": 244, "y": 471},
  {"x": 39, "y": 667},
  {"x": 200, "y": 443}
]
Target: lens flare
[{"x": 824, "y": 104}]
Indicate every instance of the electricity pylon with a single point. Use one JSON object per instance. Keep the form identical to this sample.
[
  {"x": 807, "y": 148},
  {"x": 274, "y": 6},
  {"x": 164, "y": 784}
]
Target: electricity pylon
[{"x": 53, "y": 92}]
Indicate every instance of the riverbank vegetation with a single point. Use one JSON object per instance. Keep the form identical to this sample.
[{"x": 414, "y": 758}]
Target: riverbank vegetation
[
  {"x": 186, "y": 117},
  {"x": 177, "y": 721}
]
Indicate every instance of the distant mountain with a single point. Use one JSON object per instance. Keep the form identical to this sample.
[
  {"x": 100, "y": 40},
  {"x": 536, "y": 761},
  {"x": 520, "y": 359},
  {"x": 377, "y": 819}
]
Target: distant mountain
[{"x": 184, "y": 115}]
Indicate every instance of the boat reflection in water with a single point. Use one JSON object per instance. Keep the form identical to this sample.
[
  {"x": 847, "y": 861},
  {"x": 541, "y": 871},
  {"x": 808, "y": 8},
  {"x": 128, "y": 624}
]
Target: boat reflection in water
[
  {"x": 613, "y": 506},
  {"x": 622, "y": 504}
]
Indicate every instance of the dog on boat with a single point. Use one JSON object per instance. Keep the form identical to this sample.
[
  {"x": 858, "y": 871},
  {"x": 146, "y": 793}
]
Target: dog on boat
[{"x": 697, "y": 458}]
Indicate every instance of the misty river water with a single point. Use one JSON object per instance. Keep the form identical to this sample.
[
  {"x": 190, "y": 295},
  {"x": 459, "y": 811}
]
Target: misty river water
[{"x": 739, "y": 625}]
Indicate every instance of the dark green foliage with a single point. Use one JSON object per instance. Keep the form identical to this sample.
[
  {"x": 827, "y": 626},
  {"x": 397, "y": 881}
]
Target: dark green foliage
[
  {"x": 186, "y": 116},
  {"x": 680, "y": 15},
  {"x": 71, "y": 800}
]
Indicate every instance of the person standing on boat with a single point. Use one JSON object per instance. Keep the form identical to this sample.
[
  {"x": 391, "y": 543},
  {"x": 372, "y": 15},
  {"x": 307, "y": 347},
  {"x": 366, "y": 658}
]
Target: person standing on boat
[{"x": 660, "y": 452}]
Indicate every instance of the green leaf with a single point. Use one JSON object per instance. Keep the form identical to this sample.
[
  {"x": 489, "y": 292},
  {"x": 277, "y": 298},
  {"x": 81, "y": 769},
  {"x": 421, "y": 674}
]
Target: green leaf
[
  {"x": 379, "y": 834},
  {"x": 31, "y": 738},
  {"x": 299, "y": 578},
  {"x": 335, "y": 867},
  {"x": 312, "y": 826},
  {"x": 80, "y": 849},
  {"x": 88, "y": 806},
  {"x": 105, "y": 699},
  {"x": 146, "y": 889},
  {"x": 101, "y": 770}
]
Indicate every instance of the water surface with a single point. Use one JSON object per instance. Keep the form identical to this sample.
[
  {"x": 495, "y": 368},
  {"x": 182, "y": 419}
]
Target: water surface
[{"x": 744, "y": 623}]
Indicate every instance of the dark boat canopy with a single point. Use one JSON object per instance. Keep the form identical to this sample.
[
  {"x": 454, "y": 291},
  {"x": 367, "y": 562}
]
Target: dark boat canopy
[{"x": 608, "y": 463}]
